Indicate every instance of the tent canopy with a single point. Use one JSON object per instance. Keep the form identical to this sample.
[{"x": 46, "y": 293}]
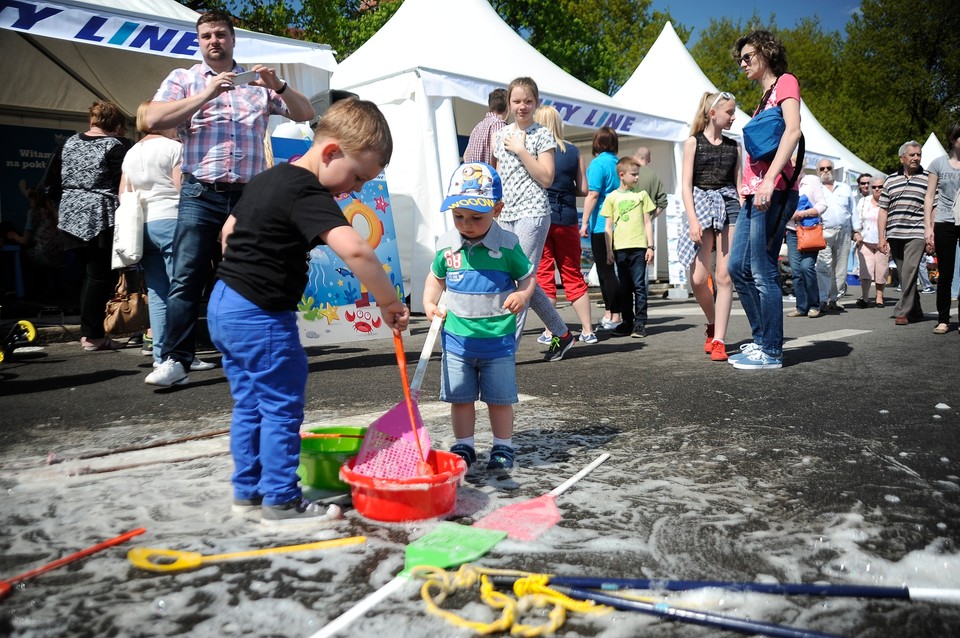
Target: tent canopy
[
  {"x": 430, "y": 69},
  {"x": 668, "y": 82},
  {"x": 931, "y": 150},
  {"x": 470, "y": 51},
  {"x": 120, "y": 50}
]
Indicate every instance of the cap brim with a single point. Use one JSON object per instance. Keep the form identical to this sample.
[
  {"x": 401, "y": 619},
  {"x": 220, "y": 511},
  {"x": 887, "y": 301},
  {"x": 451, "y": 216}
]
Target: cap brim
[{"x": 471, "y": 202}]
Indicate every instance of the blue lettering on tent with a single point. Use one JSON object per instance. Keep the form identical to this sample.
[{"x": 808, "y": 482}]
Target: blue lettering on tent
[
  {"x": 123, "y": 33},
  {"x": 188, "y": 44},
  {"x": 589, "y": 121},
  {"x": 628, "y": 123},
  {"x": 153, "y": 39},
  {"x": 29, "y": 16},
  {"x": 614, "y": 120},
  {"x": 89, "y": 30},
  {"x": 566, "y": 110}
]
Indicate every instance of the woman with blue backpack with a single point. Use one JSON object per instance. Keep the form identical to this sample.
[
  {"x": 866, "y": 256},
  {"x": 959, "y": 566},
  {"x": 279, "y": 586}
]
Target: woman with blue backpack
[{"x": 769, "y": 198}]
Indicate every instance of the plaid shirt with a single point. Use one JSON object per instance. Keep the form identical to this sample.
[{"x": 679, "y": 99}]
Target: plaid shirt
[
  {"x": 478, "y": 148},
  {"x": 223, "y": 141},
  {"x": 711, "y": 212}
]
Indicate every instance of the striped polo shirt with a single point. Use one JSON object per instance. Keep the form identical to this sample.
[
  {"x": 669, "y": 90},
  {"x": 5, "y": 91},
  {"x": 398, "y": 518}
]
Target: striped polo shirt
[
  {"x": 480, "y": 276},
  {"x": 902, "y": 198}
]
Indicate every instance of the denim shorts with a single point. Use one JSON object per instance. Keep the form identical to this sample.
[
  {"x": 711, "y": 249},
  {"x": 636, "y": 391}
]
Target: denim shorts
[{"x": 465, "y": 379}]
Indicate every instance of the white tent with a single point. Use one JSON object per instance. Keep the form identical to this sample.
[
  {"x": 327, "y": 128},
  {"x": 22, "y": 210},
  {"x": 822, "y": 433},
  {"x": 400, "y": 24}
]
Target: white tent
[
  {"x": 932, "y": 149},
  {"x": 62, "y": 55},
  {"x": 430, "y": 69},
  {"x": 668, "y": 82}
]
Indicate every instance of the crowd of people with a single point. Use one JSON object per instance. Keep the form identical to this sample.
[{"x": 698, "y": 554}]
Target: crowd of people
[{"x": 206, "y": 191}]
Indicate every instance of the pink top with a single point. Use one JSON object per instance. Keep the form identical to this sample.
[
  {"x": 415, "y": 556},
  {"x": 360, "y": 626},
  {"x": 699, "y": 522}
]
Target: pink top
[{"x": 753, "y": 171}]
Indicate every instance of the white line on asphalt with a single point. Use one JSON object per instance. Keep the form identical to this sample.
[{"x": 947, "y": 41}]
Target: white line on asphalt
[
  {"x": 686, "y": 309},
  {"x": 833, "y": 335}
]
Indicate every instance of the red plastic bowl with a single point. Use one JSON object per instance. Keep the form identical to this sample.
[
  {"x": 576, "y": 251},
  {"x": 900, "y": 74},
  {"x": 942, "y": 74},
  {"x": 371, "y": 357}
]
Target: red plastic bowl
[{"x": 410, "y": 499}]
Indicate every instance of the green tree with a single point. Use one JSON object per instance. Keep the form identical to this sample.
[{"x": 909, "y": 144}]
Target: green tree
[{"x": 901, "y": 76}]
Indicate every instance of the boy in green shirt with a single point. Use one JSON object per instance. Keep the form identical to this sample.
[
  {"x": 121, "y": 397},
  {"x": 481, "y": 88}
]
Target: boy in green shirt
[{"x": 629, "y": 233}]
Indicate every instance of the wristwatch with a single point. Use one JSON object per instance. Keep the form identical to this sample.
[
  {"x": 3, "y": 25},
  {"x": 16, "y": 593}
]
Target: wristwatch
[{"x": 282, "y": 88}]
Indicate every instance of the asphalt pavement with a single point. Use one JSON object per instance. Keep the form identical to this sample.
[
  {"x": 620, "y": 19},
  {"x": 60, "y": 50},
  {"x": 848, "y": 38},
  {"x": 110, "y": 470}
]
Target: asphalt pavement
[{"x": 716, "y": 472}]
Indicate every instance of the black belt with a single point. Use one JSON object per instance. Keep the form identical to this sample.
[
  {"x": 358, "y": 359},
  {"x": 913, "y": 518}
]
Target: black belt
[{"x": 218, "y": 187}]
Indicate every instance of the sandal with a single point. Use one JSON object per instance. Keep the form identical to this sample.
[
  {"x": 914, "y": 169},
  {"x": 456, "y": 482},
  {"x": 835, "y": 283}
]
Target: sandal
[
  {"x": 106, "y": 344},
  {"x": 941, "y": 329}
]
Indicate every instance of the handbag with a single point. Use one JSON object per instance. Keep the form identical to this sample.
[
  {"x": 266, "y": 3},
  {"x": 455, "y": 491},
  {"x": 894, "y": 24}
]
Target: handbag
[
  {"x": 810, "y": 236},
  {"x": 128, "y": 311},
  {"x": 128, "y": 229},
  {"x": 761, "y": 135}
]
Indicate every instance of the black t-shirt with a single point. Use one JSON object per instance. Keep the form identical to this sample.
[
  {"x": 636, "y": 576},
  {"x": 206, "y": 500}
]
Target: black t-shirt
[{"x": 280, "y": 218}]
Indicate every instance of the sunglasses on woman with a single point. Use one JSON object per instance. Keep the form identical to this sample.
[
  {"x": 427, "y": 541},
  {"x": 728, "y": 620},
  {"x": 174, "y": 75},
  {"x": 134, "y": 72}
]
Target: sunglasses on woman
[{"x": 746, "y": 57}]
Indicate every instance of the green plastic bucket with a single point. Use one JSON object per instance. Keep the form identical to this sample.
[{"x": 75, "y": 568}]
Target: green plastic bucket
[{"x": 320, "y": 459}]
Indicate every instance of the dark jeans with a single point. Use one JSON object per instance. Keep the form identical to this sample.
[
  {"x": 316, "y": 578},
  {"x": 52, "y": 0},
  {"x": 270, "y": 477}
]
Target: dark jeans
[
  {"x": 632, "y": 272},
  {"x": 946, "y": 235},
  {"x": 609, "y": 286},
  {"x": 201, "y": 216},
  {"x": 803, "y": 268},
  {"x": 99, "y": 282}
]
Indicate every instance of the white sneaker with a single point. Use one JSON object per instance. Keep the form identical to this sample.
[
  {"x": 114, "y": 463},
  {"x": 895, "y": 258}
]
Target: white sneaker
[
  {"x": 606, "y": 324},
  {"x": 169, "y": 373},
  {"x": 199, "y": 366}
]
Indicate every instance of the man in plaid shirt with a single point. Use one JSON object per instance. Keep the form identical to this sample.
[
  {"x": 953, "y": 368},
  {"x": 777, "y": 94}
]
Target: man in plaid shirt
[
  {"x": 480, "y": 146},
  {"x": 222, "y": 124}
]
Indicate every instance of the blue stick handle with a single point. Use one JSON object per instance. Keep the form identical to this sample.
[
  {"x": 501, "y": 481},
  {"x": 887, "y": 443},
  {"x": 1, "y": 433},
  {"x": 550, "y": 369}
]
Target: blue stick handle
[
  {"x": 688, "y": 615},
  {"x": 613, "y": 584}
]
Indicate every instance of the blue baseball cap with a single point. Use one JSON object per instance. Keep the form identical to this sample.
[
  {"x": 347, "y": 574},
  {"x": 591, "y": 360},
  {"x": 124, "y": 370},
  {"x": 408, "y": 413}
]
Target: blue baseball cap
[{"x": 475, "y": 186}]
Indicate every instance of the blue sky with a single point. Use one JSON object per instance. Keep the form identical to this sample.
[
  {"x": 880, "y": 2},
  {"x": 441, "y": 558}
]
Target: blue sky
[{"x": 697, "y": 13}]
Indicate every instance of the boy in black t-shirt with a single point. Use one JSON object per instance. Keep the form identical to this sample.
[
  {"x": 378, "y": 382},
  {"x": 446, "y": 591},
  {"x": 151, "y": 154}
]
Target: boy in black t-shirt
[{"x": 283, "y": 213}]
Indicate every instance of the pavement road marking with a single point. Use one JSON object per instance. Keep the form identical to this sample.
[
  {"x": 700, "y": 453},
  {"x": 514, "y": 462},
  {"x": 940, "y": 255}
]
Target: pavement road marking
[{"x": 833, "y": 335}]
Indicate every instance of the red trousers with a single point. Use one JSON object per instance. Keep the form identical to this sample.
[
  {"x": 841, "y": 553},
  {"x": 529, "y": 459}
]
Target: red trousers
[{"x": 562, "y": 251}]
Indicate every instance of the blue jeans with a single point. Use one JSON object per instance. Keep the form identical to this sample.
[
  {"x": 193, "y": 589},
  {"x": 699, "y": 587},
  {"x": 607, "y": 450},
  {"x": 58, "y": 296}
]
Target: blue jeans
[
  {"x": 465, "y": 379},
  {"x": 753, "y": 267},
  {"x": 267, "y": 370},
  {"x": 202, "y": 214},
  {"x": 632, "y": 273},
  {"x": 803, "y": 265},
  {"x": 157, "y": 264}
]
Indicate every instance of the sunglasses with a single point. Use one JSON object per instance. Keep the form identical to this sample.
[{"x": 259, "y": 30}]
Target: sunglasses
[
  {"x": 877, "y": 188},
  {"x": 863, "y": 183},
  {"x": 723, "y": 95},
  {"x": 824, "y": 169},
  {"x": 746, "y": 57}
]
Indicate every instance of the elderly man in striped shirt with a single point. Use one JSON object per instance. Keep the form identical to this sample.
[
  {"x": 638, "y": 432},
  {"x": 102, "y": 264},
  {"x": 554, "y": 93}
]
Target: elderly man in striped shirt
[
  {"x": 221, "y": 116},
  {"x": 900, "y": 222}
]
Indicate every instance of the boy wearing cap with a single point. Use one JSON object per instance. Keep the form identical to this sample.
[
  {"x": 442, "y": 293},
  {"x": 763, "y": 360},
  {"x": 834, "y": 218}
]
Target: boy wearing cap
[{"x": 488, "y": 280}]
